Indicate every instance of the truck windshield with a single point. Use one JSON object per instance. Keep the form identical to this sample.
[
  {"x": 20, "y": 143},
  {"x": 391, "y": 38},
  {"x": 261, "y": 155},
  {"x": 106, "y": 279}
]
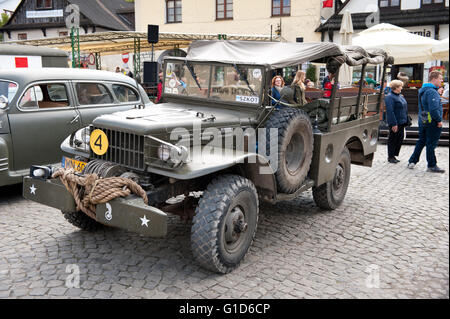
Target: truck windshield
[
  {"x": 230, "y": 83},
  {"x": 8, "y": 90}
]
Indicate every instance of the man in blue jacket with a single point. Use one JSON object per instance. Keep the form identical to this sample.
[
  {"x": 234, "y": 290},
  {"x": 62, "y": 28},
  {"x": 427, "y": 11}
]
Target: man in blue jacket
[{"x": 430, "y": 122}]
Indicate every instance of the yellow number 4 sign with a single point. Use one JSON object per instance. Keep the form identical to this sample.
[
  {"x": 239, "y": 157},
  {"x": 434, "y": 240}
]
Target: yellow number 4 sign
[{"x": 99, "y": 142}]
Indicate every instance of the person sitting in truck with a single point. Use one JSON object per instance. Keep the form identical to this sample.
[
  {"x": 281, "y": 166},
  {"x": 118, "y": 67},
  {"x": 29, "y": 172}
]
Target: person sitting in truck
[
  {"x": 299, "y": 88},
  {"x": 327, "y": 85},
  {"x": 277, "y": 86}
]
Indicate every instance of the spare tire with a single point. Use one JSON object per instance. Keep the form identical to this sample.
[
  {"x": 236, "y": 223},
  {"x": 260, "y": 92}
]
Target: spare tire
[{"x": 294, "y": 148}]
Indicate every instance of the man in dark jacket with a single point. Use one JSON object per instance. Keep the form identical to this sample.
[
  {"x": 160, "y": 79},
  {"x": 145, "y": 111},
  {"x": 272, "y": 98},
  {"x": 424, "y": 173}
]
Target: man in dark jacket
[{"x": 430, "y": 122}]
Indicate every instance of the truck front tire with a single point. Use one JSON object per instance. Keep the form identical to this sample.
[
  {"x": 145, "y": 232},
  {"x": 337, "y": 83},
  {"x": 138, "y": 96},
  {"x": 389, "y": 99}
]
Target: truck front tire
[
  {"x": 225, "y": 223},
  {"x": 330, "y": 195}
]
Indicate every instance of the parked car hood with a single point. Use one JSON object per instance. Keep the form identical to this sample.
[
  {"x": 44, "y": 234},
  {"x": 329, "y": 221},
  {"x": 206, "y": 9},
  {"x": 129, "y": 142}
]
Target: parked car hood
[{"x": 163, "y": 118}]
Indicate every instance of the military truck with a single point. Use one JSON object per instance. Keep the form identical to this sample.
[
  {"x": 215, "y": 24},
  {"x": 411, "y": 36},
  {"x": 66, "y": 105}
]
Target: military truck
[{"x": 219, "y": 143}]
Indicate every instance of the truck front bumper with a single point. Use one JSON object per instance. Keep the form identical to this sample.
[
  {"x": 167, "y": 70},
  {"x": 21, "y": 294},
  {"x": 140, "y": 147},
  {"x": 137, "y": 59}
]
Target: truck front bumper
[{"x": 129, "y": 213}]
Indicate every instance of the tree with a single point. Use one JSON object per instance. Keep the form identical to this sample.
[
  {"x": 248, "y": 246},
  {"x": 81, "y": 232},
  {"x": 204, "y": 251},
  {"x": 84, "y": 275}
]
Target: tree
[
  {"x": 4, "y": 19},
  {"x": 311, "y": 73}
]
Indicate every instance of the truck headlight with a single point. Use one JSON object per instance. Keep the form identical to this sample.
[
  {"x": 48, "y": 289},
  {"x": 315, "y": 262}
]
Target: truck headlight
[
  {"x": 164, "y": 152},
  {"x": 81, "y": 139}
]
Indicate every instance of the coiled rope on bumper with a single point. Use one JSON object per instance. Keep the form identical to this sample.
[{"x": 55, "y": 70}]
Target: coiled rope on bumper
[{"x": 90, "y": 190}]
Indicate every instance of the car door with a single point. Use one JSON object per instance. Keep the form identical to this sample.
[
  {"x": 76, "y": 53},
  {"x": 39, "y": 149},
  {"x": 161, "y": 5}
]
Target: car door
[
  {"x": 97, "y": 98},
  {"x": 43, "y": 117}
]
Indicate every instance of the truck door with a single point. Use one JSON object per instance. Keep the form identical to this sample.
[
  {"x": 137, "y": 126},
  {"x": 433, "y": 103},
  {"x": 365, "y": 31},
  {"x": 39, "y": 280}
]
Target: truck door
[
  {"x": 45, "y": 115},
  {"x": 95, "y": 99}
]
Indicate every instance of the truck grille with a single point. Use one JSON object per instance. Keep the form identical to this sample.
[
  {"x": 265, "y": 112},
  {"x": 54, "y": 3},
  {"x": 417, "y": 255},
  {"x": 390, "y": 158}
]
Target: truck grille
[{"x": 124, "y": 148}]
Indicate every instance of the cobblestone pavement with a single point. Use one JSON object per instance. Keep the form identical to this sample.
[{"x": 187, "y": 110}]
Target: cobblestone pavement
[{"x": 389, "y": 239}]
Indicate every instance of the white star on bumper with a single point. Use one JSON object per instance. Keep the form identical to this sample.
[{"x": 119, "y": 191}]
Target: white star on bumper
[
  {"x": 33, "y": 190},
  {"x": 144, "y": 221}
]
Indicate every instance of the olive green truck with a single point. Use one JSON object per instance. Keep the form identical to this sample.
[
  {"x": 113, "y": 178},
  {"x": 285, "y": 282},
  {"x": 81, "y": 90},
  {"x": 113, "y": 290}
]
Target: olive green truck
[{"x": 218, "y": 144}]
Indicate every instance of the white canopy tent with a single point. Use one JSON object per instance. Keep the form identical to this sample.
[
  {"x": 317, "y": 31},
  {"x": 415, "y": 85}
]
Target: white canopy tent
[
  {"x": 440, "y": 51},
  {"x": 346, "y": 71},
  {"x": 405, "y": 47}
]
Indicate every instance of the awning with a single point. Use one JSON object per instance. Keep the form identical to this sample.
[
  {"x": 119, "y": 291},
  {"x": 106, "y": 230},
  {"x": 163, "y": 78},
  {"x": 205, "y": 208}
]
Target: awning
[
  {"x": 11, "y": 49},
  {"x": 440, "y": 51},
  {"x": 117, "y": 42},
  {"x": 405, "y": 47},
  {"x": 282, "y": 54}
]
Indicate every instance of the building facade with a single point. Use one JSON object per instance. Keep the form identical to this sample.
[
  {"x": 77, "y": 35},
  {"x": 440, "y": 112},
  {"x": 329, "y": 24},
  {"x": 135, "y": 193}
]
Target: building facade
[
  {"x": 38, "y": 19},
  {"x": 428, "y": 18},
  {"x": 293, "y": 20}
]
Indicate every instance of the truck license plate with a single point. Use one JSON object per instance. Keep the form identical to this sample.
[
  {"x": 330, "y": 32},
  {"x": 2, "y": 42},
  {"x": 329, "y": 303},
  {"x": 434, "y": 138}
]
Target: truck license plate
[{"x": 71, "y": 163}]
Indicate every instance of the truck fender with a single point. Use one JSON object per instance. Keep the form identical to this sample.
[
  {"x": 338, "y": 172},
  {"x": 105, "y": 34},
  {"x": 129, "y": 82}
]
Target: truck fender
[{"x": 257, "y": 169}]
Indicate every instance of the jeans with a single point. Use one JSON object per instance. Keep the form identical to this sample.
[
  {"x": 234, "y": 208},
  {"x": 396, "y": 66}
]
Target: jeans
[{"x": 429, "y": 135}]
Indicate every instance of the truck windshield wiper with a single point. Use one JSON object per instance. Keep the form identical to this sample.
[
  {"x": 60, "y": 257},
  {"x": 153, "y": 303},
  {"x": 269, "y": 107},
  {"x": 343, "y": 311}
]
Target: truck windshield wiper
[
  {"x": 243, "y": 77},
  {"x": 191, "y": 70}
]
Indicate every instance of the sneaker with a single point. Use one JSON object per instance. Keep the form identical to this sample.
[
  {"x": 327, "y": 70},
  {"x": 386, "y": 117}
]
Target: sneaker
[
  {"x": 393, "y": 160},
  {"x": 435, "y": 169},
  {"x": 411, "y": 165}
]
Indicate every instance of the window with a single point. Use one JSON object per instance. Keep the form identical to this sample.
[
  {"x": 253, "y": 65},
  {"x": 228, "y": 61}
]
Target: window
[
  {"x": 45, "y": 96},
  {"x": 389, "y": 3},
  {"x": 230, "y": 83},
  {"x": 7, "y": 90},
  {"x": 22, "y": 36},
  {"x": 92, "y": 93},
  {"x": 281, "y": 7},
  {"x": 187, "y": 79},
  {"x": 173, "y": 10},
  {"x": 428, "y": 2},
  {"x": 44, "y": 4},
  {"x": 125, "y": 94},
  {"x": 236, "y": 84},
  {"x": 224, "y": 9}
]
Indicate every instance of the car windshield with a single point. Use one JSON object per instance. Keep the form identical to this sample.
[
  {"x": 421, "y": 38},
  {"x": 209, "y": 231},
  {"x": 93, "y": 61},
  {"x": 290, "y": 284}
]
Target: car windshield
[
  {"x": 8, "y": 90},
  {"x": 230, "y": 83}
]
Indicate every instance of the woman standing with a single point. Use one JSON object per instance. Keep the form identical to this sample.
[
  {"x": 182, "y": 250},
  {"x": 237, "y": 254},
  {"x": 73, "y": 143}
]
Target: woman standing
[
  {"x": 277, "y": 85},
  {"x": 397, "y": 119},
  {"x": 299, "y": 88}
]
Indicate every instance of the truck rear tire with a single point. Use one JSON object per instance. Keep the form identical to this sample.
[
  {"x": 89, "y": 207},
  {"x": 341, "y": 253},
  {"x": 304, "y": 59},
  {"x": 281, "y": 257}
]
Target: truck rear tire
[
  {"x": 330, "y": 195},
  {"x": 295, "y": 147},
  {"x": 82, "y": 221},
  {"x": 225, "y": 223}
]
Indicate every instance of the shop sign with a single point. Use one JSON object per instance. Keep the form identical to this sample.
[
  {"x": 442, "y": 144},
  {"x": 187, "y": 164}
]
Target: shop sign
[
  {"x": 425, "y": 31},
  {"x": 44, "y": 14},
  {"x": 125, "y": 57}
]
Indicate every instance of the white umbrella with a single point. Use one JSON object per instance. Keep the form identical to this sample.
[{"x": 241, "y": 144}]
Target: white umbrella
[
  {"x": 440, "y": 51},
  {"x": 405, "y": 47},
  {"x": 346, "y": 72}
]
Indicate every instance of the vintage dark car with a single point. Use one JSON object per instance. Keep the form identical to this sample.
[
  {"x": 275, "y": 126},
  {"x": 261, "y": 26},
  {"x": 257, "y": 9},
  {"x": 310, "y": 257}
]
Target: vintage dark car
[{"x": 40, "y": 107}]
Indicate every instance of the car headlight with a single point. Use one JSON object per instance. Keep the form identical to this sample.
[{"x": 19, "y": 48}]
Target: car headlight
[{"x": 164, "y": 152}]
